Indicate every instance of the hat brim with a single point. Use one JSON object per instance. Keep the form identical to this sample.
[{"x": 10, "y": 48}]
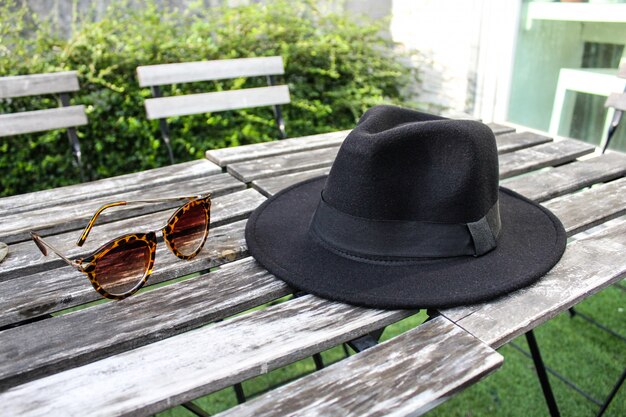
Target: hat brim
[{"x": 531, "y": 242}]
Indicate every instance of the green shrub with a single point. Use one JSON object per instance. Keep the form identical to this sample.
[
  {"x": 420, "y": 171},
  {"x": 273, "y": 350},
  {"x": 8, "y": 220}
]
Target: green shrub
[{"x": 335, "y": 69}]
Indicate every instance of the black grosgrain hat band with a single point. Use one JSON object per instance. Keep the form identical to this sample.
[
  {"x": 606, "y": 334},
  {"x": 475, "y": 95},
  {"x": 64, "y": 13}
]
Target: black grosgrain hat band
[{"x": 395, "y": 239}]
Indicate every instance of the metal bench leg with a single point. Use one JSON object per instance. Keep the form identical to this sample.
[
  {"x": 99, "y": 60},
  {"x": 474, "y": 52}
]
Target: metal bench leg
[
  {"x": 241, "y": 396},
  {"x": 278, "y": 114},
  {"x": 165, "y": 130},
  {"x": 542, "y": 374},
  {"x": 73, "y": 138}
]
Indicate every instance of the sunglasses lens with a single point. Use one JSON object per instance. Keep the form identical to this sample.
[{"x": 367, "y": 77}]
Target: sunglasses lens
[
  {"x": 122, "y": 268},
  {"x": 190, "y": 230}
]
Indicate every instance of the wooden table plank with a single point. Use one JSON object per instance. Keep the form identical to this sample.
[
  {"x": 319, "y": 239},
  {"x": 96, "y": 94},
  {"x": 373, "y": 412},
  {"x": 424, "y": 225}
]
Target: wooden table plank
[
  {"x": 591, "y": 207},
  {"x": 270, "y": 186},
  {"x": 227, "y": 156},
  {"x": 61, "y": 288},
  {"x": 297, "y": 160},
  {"x": 510, "y": 142},
  {"x": 541, "y": 186},
  {"x": 282, "y": 164},
  {"x": 541, "y": 156},
  {"x": 108, "y": 186},
  {"x": 405, "y": 376},
  {"x": 499, "y": 129},
  {"x": 67, "y": 341},
  {"x": 24, "y": 258},
  {"x": 588, "y": 265},
  {"x": 64, "y": 217},
  {"x": 183, "y": 367}
]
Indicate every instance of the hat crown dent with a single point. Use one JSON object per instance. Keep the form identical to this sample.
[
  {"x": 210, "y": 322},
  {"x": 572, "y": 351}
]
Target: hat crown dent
[{"x": 399, "y": 164}]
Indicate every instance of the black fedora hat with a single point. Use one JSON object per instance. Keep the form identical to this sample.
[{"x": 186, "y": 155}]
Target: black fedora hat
[{"x": 411, "y": 215}]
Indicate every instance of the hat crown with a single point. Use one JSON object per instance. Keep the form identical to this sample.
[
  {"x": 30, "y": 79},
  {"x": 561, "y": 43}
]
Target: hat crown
[{"x": 399, "y": 164}]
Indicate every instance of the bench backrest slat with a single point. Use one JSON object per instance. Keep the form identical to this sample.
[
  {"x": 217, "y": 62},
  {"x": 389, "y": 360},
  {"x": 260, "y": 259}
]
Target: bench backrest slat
[
  {"x": 41, "y": 120},
  {"x": 186, "y": 72},
  {"x": 30, "y": 85},
  {"x": 158, "y": 108}
]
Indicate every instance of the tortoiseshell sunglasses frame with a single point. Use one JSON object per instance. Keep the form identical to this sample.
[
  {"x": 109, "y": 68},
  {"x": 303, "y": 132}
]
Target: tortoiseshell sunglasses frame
[{"x": 87, "y": 264}]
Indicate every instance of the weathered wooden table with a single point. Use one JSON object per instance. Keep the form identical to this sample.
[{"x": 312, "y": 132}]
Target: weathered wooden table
[{"x": 168, "y": 344}]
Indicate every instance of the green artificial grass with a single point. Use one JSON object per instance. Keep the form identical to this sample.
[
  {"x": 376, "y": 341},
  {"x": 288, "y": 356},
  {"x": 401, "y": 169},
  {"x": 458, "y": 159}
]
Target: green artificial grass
[{"x": 578, "y": 350}]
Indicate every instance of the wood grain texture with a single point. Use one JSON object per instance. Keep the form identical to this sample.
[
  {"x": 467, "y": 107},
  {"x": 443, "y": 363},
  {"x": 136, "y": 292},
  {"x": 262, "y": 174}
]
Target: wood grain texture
[
  {"x": 272, "y": 185},
  {"x": 26, "y": 259},
  {"x": 541, "y": 156},
  {"x": 510, "y": 142},
  {"x": 617, "y": 101},
  {"x": 52, "y": 290},
  {"x": 591, "y": 207},
  {"x": 67, "y": 341},
  {"x": 283, "y": 164},
  {"x": 541, "y": 186},
  {"x": 38, "y": 84},
  {"x": 171, "y": 371},
  {"x": 63, "y": 217},
  {"x": 158, "y": 108},
  {"x": 42, "y": 120},
  {"x": 187, "y": 72},
  {"x": 142, "y": 180},
  {"x": 499, "y": 129},
  {"x": 405, "y": 376},
  {"x": 588, "y": 265},
  {"x": 226, "y": 156},
  {"x": 524, "y": 160}
]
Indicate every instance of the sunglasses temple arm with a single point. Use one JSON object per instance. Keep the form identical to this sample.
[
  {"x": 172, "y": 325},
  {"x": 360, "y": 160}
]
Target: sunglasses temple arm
[
  {"x": 83, "y": 236},
  {"x": 87, "y": 229},
  {"x": 44, "y": 246}
]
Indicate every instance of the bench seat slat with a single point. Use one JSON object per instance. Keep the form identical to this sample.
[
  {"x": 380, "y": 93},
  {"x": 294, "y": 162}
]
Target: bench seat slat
[
  {"x": 108, "y": 186},
  {"x": 197, "y": 362},
  {"x": 61, "y": 218},
  {"x": 158, "y": 108},
  {"x": 394, "y": 378},
  {"x": 41, "y": 120},
  {"x": 588, "y": 265},
  {"x": 186, "y": 72},
  {"x": 25, "y": 258},
  {"x": 38, "y": 84},
  {"x": 511, "y": 142}
]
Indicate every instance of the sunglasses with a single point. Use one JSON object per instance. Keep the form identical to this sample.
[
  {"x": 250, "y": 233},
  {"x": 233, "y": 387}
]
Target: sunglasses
[{"x": 120, "y": 267}]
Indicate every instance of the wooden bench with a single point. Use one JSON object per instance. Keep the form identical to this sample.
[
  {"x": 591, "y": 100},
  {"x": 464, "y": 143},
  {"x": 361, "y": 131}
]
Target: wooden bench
[
  {"x": 155, "y": 76},
  {"x": 64, "y": 117},
  {"x": 163, "y": 352}
]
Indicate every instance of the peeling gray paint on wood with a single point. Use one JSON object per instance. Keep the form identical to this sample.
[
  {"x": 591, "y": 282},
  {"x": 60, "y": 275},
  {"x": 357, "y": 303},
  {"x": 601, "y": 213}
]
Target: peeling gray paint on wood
[
  {"x": 524, "y": 160},
  {"x": 272, "y": 185},
  {"x": 108, "y": 186},
  {"x": 499, "y": 129},
  {"x": 63, "y": 217},
  {"x": 510, "y": 142},
  {"x": 67, "y": 341},
  {"x": 57, "y": 289},
  {"x": 405, "y": 376},
  {"x": 588, "y": 265},
  {"x": 25, "y": 258},
  {"x": 227, "y": 156},
  {"x": 541, "y": 186},
  {"x": 591, "y": 207},
  {"x": 183, "y": 367},
  {"x": 541, "y": 156}
]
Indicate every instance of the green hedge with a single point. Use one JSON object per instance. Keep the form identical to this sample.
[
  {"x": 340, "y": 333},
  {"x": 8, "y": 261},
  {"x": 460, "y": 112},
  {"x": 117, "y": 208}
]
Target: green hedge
[{"x": 335, "y": 68}]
